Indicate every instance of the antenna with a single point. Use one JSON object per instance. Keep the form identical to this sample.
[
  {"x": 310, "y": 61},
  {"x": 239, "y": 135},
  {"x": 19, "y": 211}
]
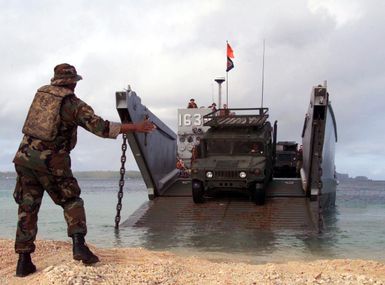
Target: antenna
[{"x": 263, "y": 71}]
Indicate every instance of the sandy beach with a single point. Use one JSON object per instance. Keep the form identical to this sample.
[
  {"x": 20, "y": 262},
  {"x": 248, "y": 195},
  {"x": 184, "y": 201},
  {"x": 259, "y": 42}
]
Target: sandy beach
[{"x": 140, "y": 266}]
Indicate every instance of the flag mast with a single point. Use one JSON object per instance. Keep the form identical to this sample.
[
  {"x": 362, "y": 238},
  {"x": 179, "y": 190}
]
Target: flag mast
[
  {"x": 227, "y": 88},
  {"x": 227, "y": 76},
  {"x": 230, "y": 65}
]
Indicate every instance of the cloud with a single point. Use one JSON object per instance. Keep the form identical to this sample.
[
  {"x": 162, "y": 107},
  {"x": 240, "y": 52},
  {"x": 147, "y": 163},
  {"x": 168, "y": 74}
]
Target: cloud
[{"x": 343, "y": 12}]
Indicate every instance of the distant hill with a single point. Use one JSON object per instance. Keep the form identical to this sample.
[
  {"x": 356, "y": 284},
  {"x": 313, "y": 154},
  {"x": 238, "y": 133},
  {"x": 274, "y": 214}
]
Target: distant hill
[
  {"x": 88, "y": 174},
  {"x": 8, "y": 174},
  {"x": 345, "y": 177},
  {"x": 106, "y": 174},
  {"x": 136, "y": 174}
]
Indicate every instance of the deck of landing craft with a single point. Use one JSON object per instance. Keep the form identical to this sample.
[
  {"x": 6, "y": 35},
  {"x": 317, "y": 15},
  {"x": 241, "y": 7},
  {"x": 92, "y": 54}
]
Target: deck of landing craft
[{"x": 286, "y": 208}]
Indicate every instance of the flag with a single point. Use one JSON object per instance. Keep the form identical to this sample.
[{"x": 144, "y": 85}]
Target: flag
[{"x": 230, "y": 55}]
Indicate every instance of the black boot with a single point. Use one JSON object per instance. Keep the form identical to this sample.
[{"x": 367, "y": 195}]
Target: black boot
[
  {"x": 24, "y": 265},
  {"x": 81, "y": 251}
]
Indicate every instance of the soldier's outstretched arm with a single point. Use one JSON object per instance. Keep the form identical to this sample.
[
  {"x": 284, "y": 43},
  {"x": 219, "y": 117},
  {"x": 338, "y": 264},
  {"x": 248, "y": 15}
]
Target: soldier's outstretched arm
[
  {"x": 84, "y": 116},
  {"x": 142, "y": 127}
]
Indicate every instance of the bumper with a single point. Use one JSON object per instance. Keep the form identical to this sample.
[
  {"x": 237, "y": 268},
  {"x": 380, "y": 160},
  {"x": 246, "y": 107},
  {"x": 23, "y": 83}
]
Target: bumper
[{"x": 231, "y": 184}]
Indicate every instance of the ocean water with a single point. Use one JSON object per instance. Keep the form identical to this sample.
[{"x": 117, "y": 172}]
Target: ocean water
[{"x": 355, "y": 228}]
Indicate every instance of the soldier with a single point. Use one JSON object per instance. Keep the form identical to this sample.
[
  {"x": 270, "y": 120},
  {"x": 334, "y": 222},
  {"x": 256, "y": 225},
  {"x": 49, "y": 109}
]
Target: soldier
[
  {"x": 213, "y": 107},
  {"x": 192, "y": 104},
  {"x": 42, "y": 162},
  {"x": 299, "y": 161},
  {"x": 225, "y": 111}
]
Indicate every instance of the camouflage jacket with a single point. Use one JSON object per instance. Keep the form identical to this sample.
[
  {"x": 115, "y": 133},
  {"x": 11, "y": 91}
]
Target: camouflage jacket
[{"x": 53, "y": 157}]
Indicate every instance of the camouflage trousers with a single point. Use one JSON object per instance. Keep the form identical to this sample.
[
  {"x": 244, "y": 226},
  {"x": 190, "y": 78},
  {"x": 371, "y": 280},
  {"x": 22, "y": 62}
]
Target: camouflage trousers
[{"x": 28, "y": 194}]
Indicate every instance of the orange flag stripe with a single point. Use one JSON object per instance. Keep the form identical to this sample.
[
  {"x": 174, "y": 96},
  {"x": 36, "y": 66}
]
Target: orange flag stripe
[{"x": 230, "y": 52}]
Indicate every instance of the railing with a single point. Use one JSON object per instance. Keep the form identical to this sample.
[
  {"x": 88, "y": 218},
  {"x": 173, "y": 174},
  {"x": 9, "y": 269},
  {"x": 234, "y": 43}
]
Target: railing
[{"x": 237, "y": 117}]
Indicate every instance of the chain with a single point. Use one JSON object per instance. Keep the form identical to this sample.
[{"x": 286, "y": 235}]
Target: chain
[{"x": 121, "y": 181}]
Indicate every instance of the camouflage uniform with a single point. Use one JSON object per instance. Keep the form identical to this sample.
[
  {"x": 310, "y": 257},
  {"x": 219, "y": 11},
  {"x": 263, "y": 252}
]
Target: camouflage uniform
[{"x": 43, "y": 164}]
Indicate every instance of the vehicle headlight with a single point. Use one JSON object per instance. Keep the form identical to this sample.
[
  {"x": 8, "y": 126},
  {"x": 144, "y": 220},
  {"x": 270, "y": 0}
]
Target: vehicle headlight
[
  {"x": 209, "y": 174},
  {"x": 242, "y": 174}
]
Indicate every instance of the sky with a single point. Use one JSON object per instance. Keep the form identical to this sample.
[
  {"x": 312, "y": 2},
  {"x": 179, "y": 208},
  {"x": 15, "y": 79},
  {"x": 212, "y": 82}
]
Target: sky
[{"x": 170, "y": 51}]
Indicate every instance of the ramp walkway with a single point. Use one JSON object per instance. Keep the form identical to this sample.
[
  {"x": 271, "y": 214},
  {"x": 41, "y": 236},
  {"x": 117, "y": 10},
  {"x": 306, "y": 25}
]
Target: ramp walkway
[{"x": 285, "y": 208}]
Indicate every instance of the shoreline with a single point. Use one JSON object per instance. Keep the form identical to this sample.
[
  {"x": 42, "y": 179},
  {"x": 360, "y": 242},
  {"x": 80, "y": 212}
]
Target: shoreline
[{"x": 141, "y": 266}]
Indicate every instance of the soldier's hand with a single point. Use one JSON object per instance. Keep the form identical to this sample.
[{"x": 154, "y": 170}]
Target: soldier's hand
[
  {"x": 144, "y": 127},
  {"x": 141, "y": 127}
]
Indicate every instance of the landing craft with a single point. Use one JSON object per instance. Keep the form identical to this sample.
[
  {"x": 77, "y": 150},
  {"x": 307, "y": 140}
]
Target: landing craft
[{"x": 291, "y": 202}]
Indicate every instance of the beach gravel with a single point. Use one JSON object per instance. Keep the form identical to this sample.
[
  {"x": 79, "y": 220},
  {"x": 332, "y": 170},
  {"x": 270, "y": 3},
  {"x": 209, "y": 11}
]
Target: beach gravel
[{"x": 140, "y": 266}]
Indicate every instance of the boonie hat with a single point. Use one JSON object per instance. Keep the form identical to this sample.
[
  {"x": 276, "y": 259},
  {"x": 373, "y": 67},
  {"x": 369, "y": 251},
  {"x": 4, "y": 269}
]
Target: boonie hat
[{"x": 65, "y": 74}]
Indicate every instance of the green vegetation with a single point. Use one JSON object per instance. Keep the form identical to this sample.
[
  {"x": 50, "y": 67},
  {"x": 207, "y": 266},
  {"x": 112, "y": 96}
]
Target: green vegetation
[{"x": 89, "y": 174}]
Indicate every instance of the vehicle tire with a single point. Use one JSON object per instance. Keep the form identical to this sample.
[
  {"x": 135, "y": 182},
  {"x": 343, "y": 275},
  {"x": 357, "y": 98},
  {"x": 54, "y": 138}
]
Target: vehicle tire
[
  {"x": 197, "y": 192},
  {"x": 259, "y": 195}
]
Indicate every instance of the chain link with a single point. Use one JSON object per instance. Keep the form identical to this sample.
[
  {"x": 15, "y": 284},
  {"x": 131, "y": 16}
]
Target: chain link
[{"x": 121, "y": 181}]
